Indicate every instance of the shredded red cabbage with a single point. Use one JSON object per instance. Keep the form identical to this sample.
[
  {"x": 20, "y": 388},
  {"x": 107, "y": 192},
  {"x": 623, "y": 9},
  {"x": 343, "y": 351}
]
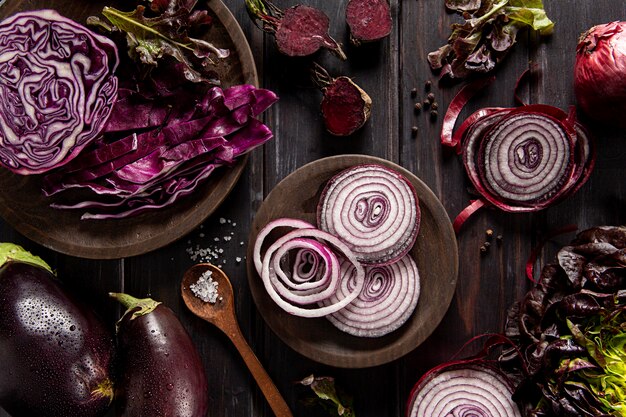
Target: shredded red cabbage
[{"x": 154, "y": 168}]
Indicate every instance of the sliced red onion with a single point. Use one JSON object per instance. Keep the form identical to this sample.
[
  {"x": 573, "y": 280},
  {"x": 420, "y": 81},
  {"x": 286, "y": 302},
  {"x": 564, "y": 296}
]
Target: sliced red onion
[
  {"x": 312, "y": 276},
  {"x": 528, "y": 158},
  {"x": 464, "y": 390},
  {"x": 519, "y": 159},
  {"x": 387, "y": 301},
  {"x": 374, "y": 210}
]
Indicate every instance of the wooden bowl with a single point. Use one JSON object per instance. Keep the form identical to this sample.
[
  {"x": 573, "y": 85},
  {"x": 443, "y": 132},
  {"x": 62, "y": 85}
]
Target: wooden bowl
[
  {"x": 24, "y": 207},
  {"x": 435, "y": 253}
]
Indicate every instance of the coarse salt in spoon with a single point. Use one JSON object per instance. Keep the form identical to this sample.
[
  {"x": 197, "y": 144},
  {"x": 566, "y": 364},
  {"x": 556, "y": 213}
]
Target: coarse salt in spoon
[{"x": 207, "y": 282}]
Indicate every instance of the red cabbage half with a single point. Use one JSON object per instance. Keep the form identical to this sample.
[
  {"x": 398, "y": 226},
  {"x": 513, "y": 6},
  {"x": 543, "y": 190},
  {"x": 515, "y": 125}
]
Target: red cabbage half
[{"x": 56, "y": 89}]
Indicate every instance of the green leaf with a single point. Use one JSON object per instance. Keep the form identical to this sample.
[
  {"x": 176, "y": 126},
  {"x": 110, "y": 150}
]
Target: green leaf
[
  {"x": 534, "y": 17},
  {"x": 150, "y": 39},
  {"x": 487, "y": 34},
  {"x": 324, "y": 387},
  {"x": 13, "y": 252}
]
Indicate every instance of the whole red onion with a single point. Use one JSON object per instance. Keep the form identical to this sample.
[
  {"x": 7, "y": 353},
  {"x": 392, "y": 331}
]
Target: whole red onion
[{"x": 600, "y": 73}]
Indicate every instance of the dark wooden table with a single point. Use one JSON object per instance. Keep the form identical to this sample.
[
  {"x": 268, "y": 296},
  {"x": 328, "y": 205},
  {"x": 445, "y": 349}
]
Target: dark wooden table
[{"x": 388, "y": 70}]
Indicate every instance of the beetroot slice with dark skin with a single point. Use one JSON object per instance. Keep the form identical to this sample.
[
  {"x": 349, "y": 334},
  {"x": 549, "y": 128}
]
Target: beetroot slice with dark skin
[
  {"x": 368, "y": 20},
  {"x": 303, "y": 30},
  {"x": 161, "y": 370},
  {"x": 345, "y": 106},
  {"x": 299, "y": 30}
]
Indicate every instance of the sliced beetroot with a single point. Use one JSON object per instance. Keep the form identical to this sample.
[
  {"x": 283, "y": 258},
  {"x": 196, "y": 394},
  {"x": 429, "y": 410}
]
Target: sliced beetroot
[
  {"x": 368, "y": 20},
  {"x": 303, "y": 31},
  {"x": 299, "y": 30},
  {"x": 345, "y": 106}
]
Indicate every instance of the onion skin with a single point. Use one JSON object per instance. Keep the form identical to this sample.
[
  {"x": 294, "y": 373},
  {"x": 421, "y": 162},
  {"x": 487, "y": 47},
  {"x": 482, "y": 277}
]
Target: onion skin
[{"x": 600, "y": 73}]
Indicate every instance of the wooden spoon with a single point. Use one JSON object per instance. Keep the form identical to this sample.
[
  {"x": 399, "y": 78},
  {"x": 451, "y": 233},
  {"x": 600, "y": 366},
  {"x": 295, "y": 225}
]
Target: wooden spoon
[{"x": 222, "y": 315}]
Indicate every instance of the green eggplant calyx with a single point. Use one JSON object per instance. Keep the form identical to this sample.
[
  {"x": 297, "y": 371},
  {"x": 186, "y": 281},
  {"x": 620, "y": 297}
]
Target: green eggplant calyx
[
  {"x": 13, "y": 252},
  {"x": 136, "y": 307},
  {"x": 104, "y": 390}
]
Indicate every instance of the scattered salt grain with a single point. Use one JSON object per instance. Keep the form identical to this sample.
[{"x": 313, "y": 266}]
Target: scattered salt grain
[
  {"x": 238, "y": 259},
  {"x": 222, "y": 220},
  {"x": 205, "y": 288}
]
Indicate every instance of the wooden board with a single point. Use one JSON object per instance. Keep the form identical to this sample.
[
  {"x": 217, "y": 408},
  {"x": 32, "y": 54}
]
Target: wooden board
[{"x": 23, "y": 205}]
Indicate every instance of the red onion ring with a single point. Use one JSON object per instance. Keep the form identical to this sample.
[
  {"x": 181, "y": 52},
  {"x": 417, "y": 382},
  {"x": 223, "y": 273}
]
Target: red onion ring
[
  {"x": 386, "y": 302},
  {"x": 372, "y": 208},
  {"x": 527, "y": 159},
  {"x": 519, "y": 159},
  {"x": 290, "y": 290},
  {"x": 465, "y": 390}
]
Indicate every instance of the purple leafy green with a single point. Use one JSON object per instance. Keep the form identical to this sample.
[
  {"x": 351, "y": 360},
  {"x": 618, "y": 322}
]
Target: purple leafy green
[
  {"x": 488, "y": 32},
  {"x": 571, "y": 330},
  {"x": 167, "y": 34}
]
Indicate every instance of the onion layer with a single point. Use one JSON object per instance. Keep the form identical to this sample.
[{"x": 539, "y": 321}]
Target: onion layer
[
  {"x": 315, "y": 273},
  {"x": 387, "y": 300},
  {"x": 374, "y": 210},
  {"x": 464, "y": 390}
]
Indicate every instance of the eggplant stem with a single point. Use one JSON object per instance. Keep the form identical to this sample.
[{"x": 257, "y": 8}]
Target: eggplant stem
[
  {"x": 138, "y": 306},
  {"x": 104, "y": 390}
]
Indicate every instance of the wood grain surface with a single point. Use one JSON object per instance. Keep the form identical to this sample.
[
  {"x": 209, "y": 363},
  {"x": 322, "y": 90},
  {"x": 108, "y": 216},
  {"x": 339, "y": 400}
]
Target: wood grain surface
[{"x": 387, "y": 70}]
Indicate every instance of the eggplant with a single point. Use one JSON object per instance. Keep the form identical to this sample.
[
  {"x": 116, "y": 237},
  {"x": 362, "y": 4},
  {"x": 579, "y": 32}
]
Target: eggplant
[
  {"x": 161, "y": 370},
  {"x": 55, "y": 354}
]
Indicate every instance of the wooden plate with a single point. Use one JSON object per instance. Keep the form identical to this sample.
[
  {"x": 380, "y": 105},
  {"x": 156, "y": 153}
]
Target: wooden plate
[
  {"x": 435, "y": 253},
  {"x": 24, "y": 207}
]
